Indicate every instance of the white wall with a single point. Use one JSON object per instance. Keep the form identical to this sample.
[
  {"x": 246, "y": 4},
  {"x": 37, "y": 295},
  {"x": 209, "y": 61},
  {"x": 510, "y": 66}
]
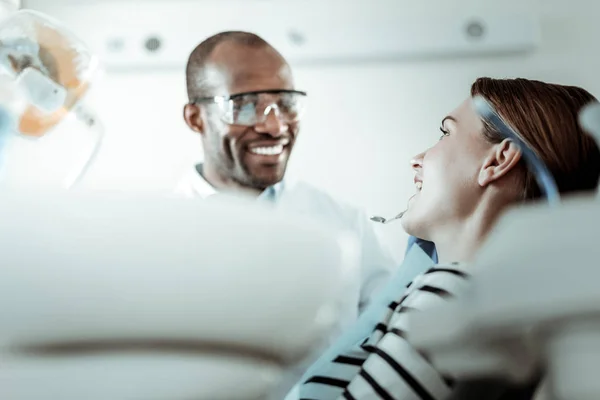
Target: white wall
[{"x": 369, "y": 117}]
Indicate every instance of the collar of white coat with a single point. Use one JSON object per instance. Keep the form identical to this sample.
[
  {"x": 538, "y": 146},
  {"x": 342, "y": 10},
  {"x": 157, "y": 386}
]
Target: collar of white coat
[{"x": 200, "y": 187}]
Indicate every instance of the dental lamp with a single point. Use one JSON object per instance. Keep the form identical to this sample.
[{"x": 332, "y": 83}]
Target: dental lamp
[
  {"x": 533, "y": 306},
  {"x": 45, "y": 74},
  {"x": 137, "y": 298}
]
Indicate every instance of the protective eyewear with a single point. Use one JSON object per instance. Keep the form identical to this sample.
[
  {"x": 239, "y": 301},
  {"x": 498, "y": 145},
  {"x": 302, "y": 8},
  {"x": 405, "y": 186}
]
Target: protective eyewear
[{"x": 252, "y": 108}]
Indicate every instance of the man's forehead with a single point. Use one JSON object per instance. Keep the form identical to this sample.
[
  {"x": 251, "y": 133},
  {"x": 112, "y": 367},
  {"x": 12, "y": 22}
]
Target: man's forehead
[
  {"x": 251, "y": 79},
  {"x": 215, "y": 77},
  {"x": 242, "y": 68}
]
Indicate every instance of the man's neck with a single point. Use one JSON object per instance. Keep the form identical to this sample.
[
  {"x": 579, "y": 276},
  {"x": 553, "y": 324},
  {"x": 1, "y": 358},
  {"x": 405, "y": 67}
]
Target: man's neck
[{"x": 224, "y": 184}]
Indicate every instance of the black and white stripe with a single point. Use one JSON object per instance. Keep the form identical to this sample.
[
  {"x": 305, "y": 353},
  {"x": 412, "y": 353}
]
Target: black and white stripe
[{"x": 385, "y": 365}]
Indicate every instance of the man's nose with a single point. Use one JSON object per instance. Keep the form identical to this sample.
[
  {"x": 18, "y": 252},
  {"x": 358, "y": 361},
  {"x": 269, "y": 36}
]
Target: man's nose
[{"x": 272, "y": 125}]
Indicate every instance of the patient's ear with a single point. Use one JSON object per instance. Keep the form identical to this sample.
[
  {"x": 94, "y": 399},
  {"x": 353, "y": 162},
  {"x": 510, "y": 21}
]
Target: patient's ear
[
  {"x": 503, "y": 157},
  {"x": 193, "y": 118}
]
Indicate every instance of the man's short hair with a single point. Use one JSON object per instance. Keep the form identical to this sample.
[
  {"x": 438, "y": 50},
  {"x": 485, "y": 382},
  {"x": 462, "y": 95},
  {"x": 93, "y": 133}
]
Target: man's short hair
[{"x": 196, "y": 78}]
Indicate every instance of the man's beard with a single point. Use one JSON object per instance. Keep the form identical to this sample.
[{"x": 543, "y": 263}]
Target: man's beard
[{"x": 244, "y": 177}]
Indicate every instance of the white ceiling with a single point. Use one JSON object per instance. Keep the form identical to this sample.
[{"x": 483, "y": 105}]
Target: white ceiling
[{"x": 368, "y": 30}]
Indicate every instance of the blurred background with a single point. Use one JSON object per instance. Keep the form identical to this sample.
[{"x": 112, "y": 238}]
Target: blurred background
[{"x": 381, "y": 75}]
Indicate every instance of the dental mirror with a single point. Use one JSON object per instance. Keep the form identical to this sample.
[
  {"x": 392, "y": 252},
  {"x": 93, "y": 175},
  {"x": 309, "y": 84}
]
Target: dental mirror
[{"x": 383, "y": 220}]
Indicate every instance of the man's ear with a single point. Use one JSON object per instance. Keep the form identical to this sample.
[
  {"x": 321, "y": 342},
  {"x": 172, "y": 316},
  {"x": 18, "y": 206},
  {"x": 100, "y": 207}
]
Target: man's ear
[
  {"x": 503, "y": 157},
  {"x": 193, "y": 118}
]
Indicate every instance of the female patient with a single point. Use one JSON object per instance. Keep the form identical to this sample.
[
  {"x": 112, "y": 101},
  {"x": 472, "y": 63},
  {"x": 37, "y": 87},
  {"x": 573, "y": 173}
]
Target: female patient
[{"x": 464, "y": 183}]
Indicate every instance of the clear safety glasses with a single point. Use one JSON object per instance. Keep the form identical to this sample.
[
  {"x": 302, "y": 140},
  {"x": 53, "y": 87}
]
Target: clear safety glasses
[{"x": 252, "y": 108}]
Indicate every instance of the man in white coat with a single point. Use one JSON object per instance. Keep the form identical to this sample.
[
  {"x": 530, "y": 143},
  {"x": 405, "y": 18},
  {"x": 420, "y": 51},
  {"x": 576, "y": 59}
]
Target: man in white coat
[{"x": 243, "y": 103}]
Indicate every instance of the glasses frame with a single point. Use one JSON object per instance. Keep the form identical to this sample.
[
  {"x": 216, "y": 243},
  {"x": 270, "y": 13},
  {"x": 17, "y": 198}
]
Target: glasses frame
[{"x": 224, "y": 98}]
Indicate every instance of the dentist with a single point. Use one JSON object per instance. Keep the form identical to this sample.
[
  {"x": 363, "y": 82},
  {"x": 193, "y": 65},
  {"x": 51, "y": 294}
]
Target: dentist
[{"x": 244, "y": 105}]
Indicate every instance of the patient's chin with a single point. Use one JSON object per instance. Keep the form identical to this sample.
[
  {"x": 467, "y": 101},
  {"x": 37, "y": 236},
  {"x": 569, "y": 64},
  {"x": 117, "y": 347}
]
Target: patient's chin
[
  {"x": 407, "y": 223},
  {"x": 412, "y": 224}
]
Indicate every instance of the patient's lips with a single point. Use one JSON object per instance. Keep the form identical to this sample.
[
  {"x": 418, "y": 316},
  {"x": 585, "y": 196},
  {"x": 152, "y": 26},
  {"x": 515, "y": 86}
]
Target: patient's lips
[
  {"x": 419, "y": 185},
  {"x": 418, "y": 182}
]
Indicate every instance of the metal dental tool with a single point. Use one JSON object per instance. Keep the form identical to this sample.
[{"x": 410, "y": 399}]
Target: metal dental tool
[{"x": 382, "y": 220}]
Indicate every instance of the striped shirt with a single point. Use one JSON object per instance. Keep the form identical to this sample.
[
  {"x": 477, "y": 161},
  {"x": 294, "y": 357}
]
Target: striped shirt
[{"x": 385, "y": 365}]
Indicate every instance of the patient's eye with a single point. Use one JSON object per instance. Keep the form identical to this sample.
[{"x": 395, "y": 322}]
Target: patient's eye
[{"x": 444, "y": 132}]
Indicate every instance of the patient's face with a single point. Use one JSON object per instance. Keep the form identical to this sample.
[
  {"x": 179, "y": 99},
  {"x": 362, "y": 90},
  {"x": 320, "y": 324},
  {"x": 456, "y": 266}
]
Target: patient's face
[{"x": 446, "y": 175}]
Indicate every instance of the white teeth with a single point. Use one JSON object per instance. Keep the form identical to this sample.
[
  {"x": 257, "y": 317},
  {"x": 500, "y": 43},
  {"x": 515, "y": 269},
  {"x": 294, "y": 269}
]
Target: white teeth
[
  {"x": 268, "y": 151},
  {"x": 419, "y": 185}
]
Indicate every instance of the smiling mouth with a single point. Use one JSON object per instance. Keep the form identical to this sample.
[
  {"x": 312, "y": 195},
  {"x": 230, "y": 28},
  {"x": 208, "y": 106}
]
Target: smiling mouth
[{"x": 267, "y": 150}]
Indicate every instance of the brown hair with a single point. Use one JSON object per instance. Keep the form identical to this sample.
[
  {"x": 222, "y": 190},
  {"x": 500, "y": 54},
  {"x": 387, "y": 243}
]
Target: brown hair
[{"x": 546, "y": 117}]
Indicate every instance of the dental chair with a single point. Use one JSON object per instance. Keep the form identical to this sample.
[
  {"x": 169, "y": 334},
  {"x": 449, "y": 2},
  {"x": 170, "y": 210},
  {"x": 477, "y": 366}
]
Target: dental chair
[
  {"x": 133, "y": 298},
  {"x": 532, "y": 308},
  {"x": 529, "y": 324}
]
